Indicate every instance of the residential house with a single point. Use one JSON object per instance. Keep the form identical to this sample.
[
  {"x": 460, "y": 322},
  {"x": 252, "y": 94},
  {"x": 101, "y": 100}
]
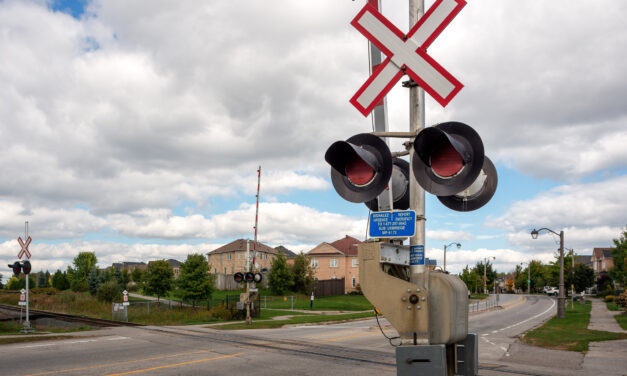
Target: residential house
[
  {"x": 337, "y": 260},
  {"x": 602, "y": 260},
  {"x": 231, "y": 257},
  {"x": 289, "y": 255},
  {"x": 128, "y": 265},
  {"x": 176, "y": 267}
]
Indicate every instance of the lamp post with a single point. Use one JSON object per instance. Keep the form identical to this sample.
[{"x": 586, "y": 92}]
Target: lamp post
[
  {"x": 448, "y": 245},
  {"x": 572, "y": 278},
  {"x": 561, "y": 299},
  {"x": 485, "y": 268}
]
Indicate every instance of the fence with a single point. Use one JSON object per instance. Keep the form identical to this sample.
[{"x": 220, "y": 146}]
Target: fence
[
  {"x": 329, "y": 287},
  {"x": 484, "y": 305},
  {"x": 119, "y": 312}
]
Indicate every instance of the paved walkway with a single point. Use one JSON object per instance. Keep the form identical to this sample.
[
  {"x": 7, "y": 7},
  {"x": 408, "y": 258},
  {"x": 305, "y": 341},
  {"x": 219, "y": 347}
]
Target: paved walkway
[{"x": 608, "y": 357}]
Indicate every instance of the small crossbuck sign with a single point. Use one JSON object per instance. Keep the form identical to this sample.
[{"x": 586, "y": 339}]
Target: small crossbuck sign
[
  {"x": 406, "y": 54},
  {"x": 24, "y": 246}
]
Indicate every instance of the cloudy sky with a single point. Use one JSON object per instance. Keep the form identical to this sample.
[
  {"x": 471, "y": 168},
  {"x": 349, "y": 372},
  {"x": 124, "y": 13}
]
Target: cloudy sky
[{"x": 135, "y": 128}]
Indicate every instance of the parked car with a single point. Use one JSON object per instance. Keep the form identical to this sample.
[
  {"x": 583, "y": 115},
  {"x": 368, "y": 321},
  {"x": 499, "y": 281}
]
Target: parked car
[{"x": 552, "y": 291}]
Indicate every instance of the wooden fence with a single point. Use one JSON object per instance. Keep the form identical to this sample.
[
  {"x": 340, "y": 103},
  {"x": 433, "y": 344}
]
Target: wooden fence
[{"x": 329, "y": 287}]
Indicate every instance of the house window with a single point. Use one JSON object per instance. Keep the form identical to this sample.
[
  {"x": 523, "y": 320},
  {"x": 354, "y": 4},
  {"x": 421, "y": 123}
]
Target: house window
[
  {"x": 225, "y": 270},
  {"x": 232, "y": 269},
  {"x": 220, "y": 259},
  {"x": 228, "y": 256},
  {"x": 354, "y": 263},
  {"x": 354, "y": 282},
  {"x": 603, "y": 264},
  {"x": 314, "y": 262},
  {"x": 334, "y": 263}
]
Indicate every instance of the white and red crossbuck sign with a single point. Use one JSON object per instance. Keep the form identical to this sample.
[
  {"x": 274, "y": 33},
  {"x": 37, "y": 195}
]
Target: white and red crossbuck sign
[
  {"x": 24, "y": 246},
  {"x": 406, "y": 54}
]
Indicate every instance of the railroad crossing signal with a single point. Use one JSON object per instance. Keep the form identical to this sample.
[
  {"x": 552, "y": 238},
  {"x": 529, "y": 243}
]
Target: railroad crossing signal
[
  {"x": 18, "y": 267},
  {"x": 406, "y": 54},
  {"x": 247, "y": 277},
  {"x": 24, "y": 250},
  {"x": 448, "y": 161}
]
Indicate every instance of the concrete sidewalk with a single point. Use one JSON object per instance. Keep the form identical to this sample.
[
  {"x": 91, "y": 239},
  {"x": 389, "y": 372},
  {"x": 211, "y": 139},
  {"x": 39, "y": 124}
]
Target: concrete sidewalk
[
  {"x": 608, "y": 357},
  {"x": 602, "y": 359}
]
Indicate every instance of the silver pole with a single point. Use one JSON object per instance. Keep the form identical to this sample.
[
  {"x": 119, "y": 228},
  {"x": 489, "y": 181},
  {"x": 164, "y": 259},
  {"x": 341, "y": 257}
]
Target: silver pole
[
  {"x": 561, "y": 298},
  {"x": 416, "y": 193},
  {"x": 27, "y": 322},
  {"x": 444, "y": 268}
]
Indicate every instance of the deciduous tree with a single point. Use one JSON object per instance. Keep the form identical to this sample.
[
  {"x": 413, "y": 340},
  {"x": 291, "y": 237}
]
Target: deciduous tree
[
  {"x": 280, "y": 279},
  {"x": 194, "y": 281},
  {"x": 159, "y": 278}
]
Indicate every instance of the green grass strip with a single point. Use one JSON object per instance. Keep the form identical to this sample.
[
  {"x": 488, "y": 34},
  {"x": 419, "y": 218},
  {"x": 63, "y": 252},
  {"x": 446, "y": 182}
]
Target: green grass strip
[
  {"x": 622, "y": 320},
  {"x": 569, "y": 333},
  {"x": 307, "y": 319}
]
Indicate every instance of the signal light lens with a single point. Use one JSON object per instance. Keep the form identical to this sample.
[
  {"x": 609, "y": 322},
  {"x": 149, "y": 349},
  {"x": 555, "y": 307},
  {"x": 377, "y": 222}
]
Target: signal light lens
[
  {"x": 238, "y": 277},
  {"x": 359, "y": 172},
  {"x": 446, "y": 161},
  {"x": 249, "y": 277},
  {"x": 17, "y": 268},
  {"x": 26, "y": 267},
  {"x": 258, "y": 277}
]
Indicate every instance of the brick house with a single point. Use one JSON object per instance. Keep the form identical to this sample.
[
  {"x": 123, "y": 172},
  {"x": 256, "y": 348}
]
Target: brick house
[
  {"x": 602, "y": 260},
  {"x": 337, "y": 260},
  {"x": 231, "y": 257}
]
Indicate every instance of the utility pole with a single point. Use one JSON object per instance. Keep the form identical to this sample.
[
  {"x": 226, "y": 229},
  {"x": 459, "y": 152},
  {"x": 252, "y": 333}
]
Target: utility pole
[{"x": 561, "y": 300}]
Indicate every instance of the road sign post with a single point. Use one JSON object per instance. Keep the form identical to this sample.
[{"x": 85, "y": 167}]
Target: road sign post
[{"x": 25, "y": 252}]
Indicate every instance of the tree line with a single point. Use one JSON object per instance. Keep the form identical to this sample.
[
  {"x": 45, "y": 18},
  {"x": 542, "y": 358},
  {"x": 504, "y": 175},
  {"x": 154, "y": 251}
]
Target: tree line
[{"x": 194, "y": 282}]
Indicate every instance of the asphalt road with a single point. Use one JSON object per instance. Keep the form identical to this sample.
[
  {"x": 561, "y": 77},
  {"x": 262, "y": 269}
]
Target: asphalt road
[{"x": 354, "y": 348}]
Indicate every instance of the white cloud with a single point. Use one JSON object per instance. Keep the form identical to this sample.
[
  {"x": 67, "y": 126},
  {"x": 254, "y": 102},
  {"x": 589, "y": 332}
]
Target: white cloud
[{"x": 448, "y": 235}]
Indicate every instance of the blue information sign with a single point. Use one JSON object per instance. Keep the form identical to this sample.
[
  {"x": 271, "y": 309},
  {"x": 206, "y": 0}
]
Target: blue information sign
[
  {"x": 417, "y": 255},
  {"x": 394, "y": 224}
]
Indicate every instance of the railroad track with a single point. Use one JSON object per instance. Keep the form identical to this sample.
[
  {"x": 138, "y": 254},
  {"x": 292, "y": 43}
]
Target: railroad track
[{"x": 35, "y": 314}]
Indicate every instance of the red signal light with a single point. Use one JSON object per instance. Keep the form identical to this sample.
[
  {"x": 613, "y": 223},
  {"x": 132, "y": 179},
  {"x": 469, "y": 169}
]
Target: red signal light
[
  {"x": 446, "y": 161},
  {"x": 359, "y": 172}
]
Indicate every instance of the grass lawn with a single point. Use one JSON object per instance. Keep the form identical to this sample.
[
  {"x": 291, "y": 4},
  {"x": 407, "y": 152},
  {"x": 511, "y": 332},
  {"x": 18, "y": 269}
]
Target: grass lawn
[
  {"x": 612, "y": 306},
  {"x": 622, "y": 320},
  {"x": 479, "y": 296},
  {"x": 569, "y": 333},
  {"x": 257, "y": 324}
]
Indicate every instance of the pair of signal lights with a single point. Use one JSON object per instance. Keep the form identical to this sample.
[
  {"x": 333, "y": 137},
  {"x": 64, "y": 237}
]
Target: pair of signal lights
[
  {"x": 18, "y": 267},
  {"x": 448, "y": 162},
  {"x": 247, "y": 277}
]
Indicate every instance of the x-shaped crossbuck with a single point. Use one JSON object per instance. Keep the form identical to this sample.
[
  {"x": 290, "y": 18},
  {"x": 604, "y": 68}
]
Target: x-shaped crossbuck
[
  {"x": 406, "y": 54},
  {"x": 24, "y": 246}
]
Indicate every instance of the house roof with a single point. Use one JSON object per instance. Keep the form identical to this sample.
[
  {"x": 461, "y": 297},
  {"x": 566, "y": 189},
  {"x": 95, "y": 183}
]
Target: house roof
[
  {"x": 583, "y": 259},
  {"x": 602, "y": 252},
  {"x": 288, "y": 254},
  {"x": 240, "y": 245},
  {"x": 174, "y": 263},
  {"x": 347, "y": 245}
]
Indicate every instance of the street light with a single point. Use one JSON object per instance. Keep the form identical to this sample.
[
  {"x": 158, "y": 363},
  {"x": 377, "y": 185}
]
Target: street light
[
  {"x": 561, "y": 299},
  {"x": 572, "y": 279},
  {"x": 485, "y": 267},
  {"x": 448, "y": 245}
]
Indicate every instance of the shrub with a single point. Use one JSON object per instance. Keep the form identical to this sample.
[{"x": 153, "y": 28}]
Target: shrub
[
  {"x": 609, "y": 298},
  {"x": 109, "y": 291},
  {"x": 621, "y": 300},
  {"x": 221, "y": 311},
  {"x": 44, "y": 290}
]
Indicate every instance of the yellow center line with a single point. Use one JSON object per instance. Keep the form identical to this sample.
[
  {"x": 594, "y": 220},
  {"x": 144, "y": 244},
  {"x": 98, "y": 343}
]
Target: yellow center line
[
  {"x": 118, "y": 363},
  {"x": 515, "y": 303},
  {"x": 175, "y": 365}
]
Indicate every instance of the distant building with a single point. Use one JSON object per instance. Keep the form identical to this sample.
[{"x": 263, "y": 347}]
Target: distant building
[
  {"x": 289, "y": 255},
  {"x": 337, "y": 260},
  {"x": 128, "y": 265},
  {"x": 231, "y": 258},
  {"x": 601, "y": 260},
  {"x": 176, "y": 267}
]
